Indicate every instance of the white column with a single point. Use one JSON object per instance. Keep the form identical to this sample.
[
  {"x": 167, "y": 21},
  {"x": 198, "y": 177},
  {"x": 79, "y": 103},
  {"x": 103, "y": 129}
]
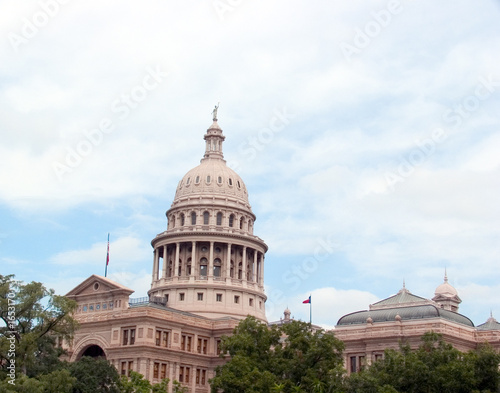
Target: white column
[
  {"x": 176, "y": 263},
  {"x": 165, "y": 261},
  {"x": 194, "y": 263},
  {"x": 155, "y": 264},
  {"x": 228, "y": 261},
  {"x": 244, "y": 263},
  {"x": 254, "y": 267},
  {"x": 211, "y": 260},
  {"x": 261, "y": 278}
]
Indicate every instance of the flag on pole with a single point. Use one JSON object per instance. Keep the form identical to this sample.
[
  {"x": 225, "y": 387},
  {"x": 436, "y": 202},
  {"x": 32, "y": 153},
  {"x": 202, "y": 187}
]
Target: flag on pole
[
  {"x": 308, "y": 301},
  {"x": 107, "y": 260}
]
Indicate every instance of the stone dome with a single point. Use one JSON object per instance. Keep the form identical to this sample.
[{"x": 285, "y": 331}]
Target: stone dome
[
  {"x": 445, "y": 289},
  {"x": 212, "y": 177}
]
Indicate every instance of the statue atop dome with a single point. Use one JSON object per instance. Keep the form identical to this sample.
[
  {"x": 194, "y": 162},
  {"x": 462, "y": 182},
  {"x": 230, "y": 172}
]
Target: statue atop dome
[{"x": 214, "y": 112}]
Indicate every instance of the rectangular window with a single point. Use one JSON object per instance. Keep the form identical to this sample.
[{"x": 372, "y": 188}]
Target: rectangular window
[
  {"x": 124, "y": 368},
  {"x": 186, "y": 342},
  {"x": 128, "y": 336},
  {"x": 164, "y": 341},
  {"x": 217, "y": 271},
  {"x": 181, "y": 297},
  {"x": 158, "y": 338},
  {"x": 203, "y": 376},
  {"x": 130, "y": 368},
  {"x": 218, "y": 297},
  {"x": 200, "y": 296},
  {"x": 236, "y": 299},
  {"x": 250, "y": 302},
  {"x": 163, "y": 373},
  {"x": 184, "y": 374},
  {"x": 218, "y": 344},
  {"x": 202, "y": 345},
  {"x": 362, "y": 363},
  {"x": 156, "y": 369},
  {"x": 161, "y": 338},
  {"x": 353, "y": 364}
]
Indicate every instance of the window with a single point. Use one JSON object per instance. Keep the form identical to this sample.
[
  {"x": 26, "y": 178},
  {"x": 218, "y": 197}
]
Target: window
[
  {"x": 184, "y": 374},
  {"x": 353, "y": 364},
  {"x": 202, "y": 345},
  {"x": 206, "y": 217},
  {"x": 197, "y": 180},
  {"x": 241, "y": 223},
  {"x": 193, "y": 218},
  {"x": 156, "y": 369},
  {"x": 186, "y": 341},
  {"x": 362, "y": 363},
  {"x": 84, "y": 308},
  {"x": 218, "y": 297},
  {"x": 161, "y": 338},
  {"x": 181, "y": 297},
  {"x": 188, "y": 181},
  {"x": 126, "y": 368},
  {"x": 182, "y": 219},
  {"x": 96, "y": 286},
  {"x": 128, "y": 336},
  {"x": 217, "y": 267},
  {"x": 236, "y": 299},
  {"x": 230, "y": 181},
  {"x": 231, "y": 220},
  {"x": 218, "y": 343},
  {"x": 91, "y": 307},
  {"x": 219, "y": 180},
  {"x": 219, "y": 218},
  {"x": 201, "y": 376},
  {"x": 163, "y": 373},
  {"x": 250, "y": 302},
  {"x": 209, "y": 179},
  {"x": 200, "y": 296},
  {"x": 238, "y": 183},
  {"x": 203, "y": 267}
]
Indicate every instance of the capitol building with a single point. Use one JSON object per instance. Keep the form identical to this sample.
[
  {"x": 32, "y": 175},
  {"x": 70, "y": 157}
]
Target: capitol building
[{"x": 208, "y": 274}]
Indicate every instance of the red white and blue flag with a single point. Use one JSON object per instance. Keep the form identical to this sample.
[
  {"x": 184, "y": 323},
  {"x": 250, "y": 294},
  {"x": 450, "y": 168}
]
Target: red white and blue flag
[{"x": 307, "y": 300}]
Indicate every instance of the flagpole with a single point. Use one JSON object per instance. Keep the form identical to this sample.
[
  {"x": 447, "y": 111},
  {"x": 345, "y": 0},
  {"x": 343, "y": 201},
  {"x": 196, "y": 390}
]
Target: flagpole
[
  {"x": 107, "y": 260},
  {"x": 310, "y": 310}
]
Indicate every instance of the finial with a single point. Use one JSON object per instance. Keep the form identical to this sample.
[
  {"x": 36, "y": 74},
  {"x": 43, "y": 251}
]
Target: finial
[
  {"x": 445, "y": 275},
  {"x": 404, "y": 284},
  {"x": 214, "y": 112}
]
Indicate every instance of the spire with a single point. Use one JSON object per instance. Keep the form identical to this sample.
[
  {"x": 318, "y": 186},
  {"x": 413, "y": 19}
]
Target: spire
[{"x": 213, "y": 139}]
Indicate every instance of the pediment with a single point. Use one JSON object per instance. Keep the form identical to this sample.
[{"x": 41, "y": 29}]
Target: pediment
[{"x": 97, "y": 285}]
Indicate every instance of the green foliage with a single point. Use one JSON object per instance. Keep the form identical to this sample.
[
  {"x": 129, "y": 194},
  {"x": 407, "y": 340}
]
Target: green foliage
[
  {"x": 94, "y": 375},
  {"x": 436, "y": 367},
  {"x": 33, "y": 316},
  {"x": 288, "y": 358}
]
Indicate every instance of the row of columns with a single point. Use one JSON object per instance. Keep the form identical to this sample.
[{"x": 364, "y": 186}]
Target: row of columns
[{"x": 257, "y": 266}]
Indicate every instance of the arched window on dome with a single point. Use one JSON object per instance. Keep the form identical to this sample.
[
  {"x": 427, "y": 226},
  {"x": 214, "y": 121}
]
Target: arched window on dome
[
  {"x": 170, "y": 268},
  {"x": 219, "y": 180},
  {"x": 183, "y": 219},
  {"x": 238, "y": 183},
  {"x": 197, "y": 180},
  {"x": 188, "y": 267},
  {"x": 219, "y": 218},
  {"x": 206, "y": 217},
  {"x": 193, "y": 218},
  {"x": 231, "y": 220},
  {"x": 240, "y": 271},
  {"x": 241, "y": 222},
  {"x": 217, "y": 267},
  {"x": 230, "y": 182},
  {"x": 209, "y": 179},
  {"x": 188, "y": 181},
  {"x": 231, "y": 271},
  {"x": 203, "y": 267},
  {"x": 179, "y": 273},
  {"x": 249, "y": 226},
  {"x": 173, "y": 221}
]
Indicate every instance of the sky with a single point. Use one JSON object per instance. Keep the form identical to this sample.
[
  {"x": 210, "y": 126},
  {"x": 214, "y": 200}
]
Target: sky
[{"x": 367, "y": 134}]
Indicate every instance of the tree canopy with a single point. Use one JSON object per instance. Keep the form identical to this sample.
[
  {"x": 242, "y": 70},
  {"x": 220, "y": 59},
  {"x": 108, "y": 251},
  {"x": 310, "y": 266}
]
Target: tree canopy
[{"x": 290, "y": 357}]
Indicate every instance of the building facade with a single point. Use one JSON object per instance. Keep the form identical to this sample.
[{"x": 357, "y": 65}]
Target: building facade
[
  {"x": 405, "y": 318},
  {"x": 207, "y": 275}
]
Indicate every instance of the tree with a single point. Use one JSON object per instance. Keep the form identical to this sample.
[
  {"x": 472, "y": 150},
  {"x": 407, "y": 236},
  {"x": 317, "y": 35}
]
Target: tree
[
  {"x": 34, "y": 317},
  {"x": 94, "y": 375},
  {"x": 435, "y": 367},
  {"x": 288, "y": 358}
]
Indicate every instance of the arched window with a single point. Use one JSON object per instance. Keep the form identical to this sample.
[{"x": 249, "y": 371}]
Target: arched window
[
  {"x": 219, "y": 180},
  {"x": 241, "y": 223},
  {"x": 172, "y": 218},
  {"x": 231, "y": 272},
  {"x": 203, "y": 267},
  {"x": 206, "y": 216},
  {"x": 188, "y": 267},
  {"x": 240, "y": 271},
  {"x": 170, "y": 268},
  {"x": 197, "y": 180},
  {"x": 179, "y": 273},
  {"x": 182, "y": 219},
  {"x": 193, "y": 218},
  {"x": 209, "y": 179},
  {"x": 217, "y": 267},
  {"x": 219, "y": 218},
  {"x": 231, "y": 220},
  {"x": 188, "y": 181},
  {"x": 250, "y": 226},
  {"x": 230, "y": 181}
]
